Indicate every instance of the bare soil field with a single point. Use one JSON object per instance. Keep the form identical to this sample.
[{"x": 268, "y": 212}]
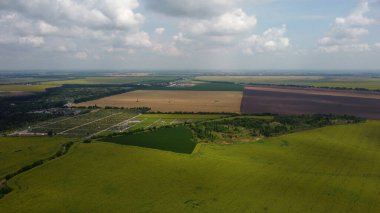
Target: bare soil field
[
  {"x": 174, "y": 101},
  {"x": 286, "y": 100}
]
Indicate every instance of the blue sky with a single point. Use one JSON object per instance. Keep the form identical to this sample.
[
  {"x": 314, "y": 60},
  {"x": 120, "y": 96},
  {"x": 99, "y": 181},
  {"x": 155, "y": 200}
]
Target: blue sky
[{"x": 193, "y": 34}]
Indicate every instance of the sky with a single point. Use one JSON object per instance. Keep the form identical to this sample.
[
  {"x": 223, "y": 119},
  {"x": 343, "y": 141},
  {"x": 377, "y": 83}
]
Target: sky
[{"x": 190, "y": 34}]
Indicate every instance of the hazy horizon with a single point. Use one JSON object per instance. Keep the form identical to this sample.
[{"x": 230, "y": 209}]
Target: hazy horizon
[{"x": 190, "y": 35}]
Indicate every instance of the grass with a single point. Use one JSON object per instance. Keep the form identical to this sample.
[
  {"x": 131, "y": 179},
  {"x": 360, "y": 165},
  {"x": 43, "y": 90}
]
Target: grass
[
  {"x": 117, "y": 80},
  {"x": 175, "y": 101},
  {"x": 302, "y": 80},
  {"x": 17, "y": 152},
  {"x": 204, "y": 86},
  {"x": 42, "y": 86},
  {"x": 27, "y": 88},
  {"x": 332, "y": 169},
  {"x": 175, "y": 139},
  {"x": 25, "y": 80},
  {"x": 183, "y": 116},
  {"x": 158, "y": 120},
  {"x": 371, "y": 83}
]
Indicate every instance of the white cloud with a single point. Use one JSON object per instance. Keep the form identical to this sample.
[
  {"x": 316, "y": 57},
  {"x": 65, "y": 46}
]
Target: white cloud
[
  {"x": 81, "y": 55},
  {"x": 46, "y": 28},
  {"x": 360, "y": 47},
  {"x": 159, "y": 31},
  {"x": 346, "y": 31},
  {"x": 273, "y": 39},
  {"x": 89, "y": 13},
  {"x": 193, "y": 9},
  {"x": 179, "y": 37},
  {"x": 229, "y": 23},
  {"x": 377, "y": 45},
  {"x": 56, "y": 24},
  {"x": 34, "y": 41},
  {"x": 140, "y": 39}
]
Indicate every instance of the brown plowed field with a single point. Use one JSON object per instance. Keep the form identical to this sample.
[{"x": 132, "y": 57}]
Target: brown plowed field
[
  {"x": 174, "y": 101},
  {"x": 288, "y": 100}
]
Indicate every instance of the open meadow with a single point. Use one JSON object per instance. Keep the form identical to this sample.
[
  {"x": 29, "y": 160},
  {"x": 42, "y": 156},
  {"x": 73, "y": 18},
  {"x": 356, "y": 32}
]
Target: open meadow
[
  {"x": 146, "y": 121},
  {"x": 30, "y": 85},
  {"x": 174, "y": 101},
  {"x": 17, "y": 152},
  {"x": 331, "y": 169},
  {"x": 353, "y": 82}
]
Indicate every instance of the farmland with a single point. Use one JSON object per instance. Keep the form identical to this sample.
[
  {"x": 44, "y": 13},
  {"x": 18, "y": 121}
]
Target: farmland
[
  {"x": 176, "y": 139},
  {"x": 331, "y": 169},
  {"x": 174, "y": 101},
  {"x": 284, "y": 100},
  {"x": 366, "y": 82},
  {"x": 13, "y": 93},
  {"x": 173, "y": 158},
  {"x": 117, "y": 80},
  {"x": 16, "y": 152},
  {"x": 158, "y": 120},
  {"x": 201, "y": 86},
  {"x": 27, "y": 88},
  {"x": 85, "y": 124},
  {"x": 30, "y": 85}
]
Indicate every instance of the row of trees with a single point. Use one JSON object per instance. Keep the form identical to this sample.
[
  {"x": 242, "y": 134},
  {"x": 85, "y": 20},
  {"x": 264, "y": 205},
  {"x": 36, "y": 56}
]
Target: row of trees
[{"x": 256, "y": 127}]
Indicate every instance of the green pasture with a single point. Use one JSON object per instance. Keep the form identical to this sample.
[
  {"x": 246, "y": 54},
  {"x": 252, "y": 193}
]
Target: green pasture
[
  {"x": 51, "y": 83},
  {"x": 17, "y": 152},
  {"x": 27, "y": 88},
  {"x": 183, "y": 116},
  {"x": 372, "y": 83},
  {"x": 116, "y": 80},
  {"x": 24, "y": 80},
  {"x": 331, "y": 169},
  {"x": 176, "y": 139},
  {"x": 158, "y": 120},
  {"x": 204, "y": 86}
]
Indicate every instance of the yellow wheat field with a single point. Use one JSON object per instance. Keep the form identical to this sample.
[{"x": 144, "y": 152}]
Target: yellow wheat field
[{"x": 174, "y": 101}]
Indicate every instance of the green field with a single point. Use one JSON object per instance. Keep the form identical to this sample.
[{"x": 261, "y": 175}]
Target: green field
[
  {"x": 27, "y": 88},
  {"x": 176, "y": 139},
  {"x": 42, "y": 86},
  {"x": 16, "y": 152},
  {"x": 116, "y": 80},
  {"x": 204, "y": 86},
  {"x": 332, "y": 169},
  {"x": 366, "y": 82},
  {"x": 25, "y": 80},
  {"x": 158, "y": 120}
]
